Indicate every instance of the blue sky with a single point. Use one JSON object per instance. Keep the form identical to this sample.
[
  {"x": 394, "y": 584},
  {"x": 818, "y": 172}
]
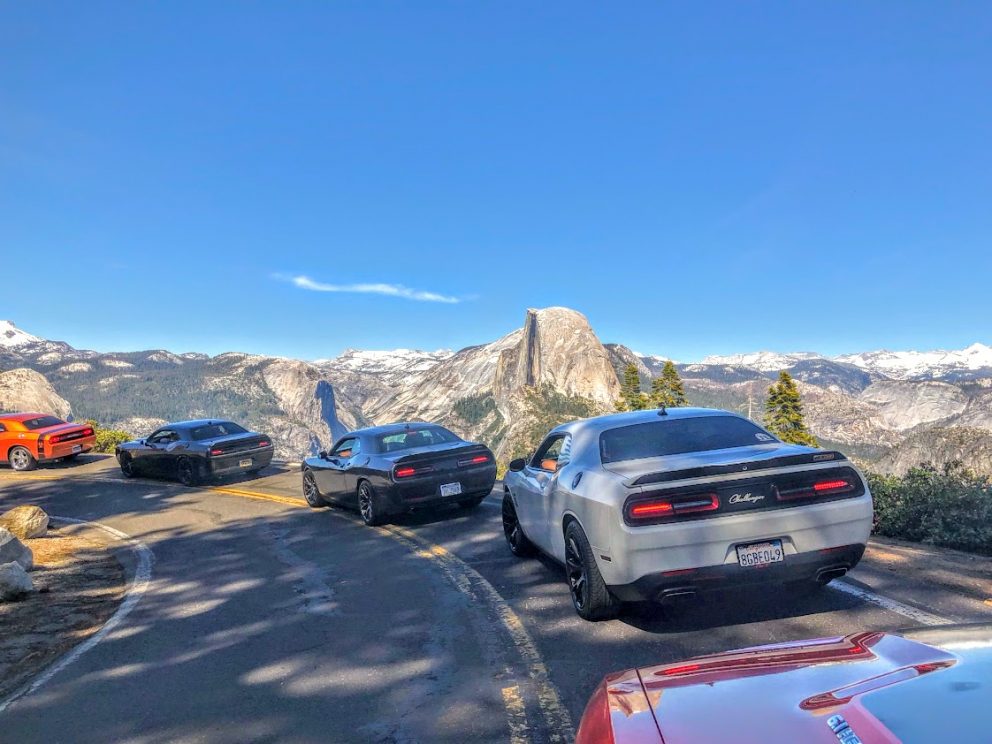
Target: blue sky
[{"x": 298, "y": 178}]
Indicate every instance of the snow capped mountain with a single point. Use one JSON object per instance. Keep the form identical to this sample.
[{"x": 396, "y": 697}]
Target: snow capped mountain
[
  {"x": 763, "y": 361},
  {"x": 380, "y": 362},
  {"x": 924, "y": 365},
  {"x": 12, "y": 337}
]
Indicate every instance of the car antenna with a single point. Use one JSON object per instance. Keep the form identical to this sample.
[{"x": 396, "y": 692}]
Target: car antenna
[{"x": 661, "y": 409}]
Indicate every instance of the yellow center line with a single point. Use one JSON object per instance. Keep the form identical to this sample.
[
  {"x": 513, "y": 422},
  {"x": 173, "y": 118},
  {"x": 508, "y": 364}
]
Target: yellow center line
[{"x": 466, "y": 579}]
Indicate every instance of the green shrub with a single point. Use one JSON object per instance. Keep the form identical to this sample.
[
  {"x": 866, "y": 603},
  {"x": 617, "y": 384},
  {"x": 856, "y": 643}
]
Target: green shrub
[
  {"x": 950, "y": 507},
  {"x": 108, "y": 439}
]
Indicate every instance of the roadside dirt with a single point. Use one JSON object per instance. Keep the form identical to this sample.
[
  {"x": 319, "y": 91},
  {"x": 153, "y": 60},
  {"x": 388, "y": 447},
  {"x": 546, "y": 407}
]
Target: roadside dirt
[{"x": 80, "y": 585}]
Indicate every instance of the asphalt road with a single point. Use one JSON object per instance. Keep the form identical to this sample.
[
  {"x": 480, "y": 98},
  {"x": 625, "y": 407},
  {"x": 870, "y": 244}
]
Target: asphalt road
[{"x": 264, "y": 620}]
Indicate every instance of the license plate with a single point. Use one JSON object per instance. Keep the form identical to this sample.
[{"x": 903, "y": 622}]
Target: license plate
[
  {"x": 77, "y": 448},
  {"x": 760, "y": 554},
  {"x": 451, "y": 489},
  {"x": 245, "y": 463}
]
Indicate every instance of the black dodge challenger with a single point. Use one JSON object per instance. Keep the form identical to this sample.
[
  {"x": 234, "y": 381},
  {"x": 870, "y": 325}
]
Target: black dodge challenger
[
  {"x": 391, "y": 469},
  {"x": 192, "y": 451}
]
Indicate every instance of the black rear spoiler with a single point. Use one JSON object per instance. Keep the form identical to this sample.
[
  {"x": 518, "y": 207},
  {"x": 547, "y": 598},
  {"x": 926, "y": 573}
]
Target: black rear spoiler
[
  {"x": 425, "y": 457},
  {"x": 665, "y": 476}
]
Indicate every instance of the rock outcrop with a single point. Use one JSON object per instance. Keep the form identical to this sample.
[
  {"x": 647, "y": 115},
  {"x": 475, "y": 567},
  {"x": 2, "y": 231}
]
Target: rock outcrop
[
  {"x": 14, "y": 581},
  {"x": 25, "y": 522},
  {"x": 27, "y": 390},
  {"x": 13, "y": 550},
  {"x": 488, "y": 392}
]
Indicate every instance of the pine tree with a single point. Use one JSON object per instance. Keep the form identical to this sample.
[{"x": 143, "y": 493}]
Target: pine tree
[
  {"x": 784, "y": 413},
  {"x": 631, "y": 397},
  {"x": 667, "y": 389}
]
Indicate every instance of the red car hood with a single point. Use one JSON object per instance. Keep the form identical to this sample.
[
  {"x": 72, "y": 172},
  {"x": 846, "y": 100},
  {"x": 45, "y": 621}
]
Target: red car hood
[{"x": 925, "y": 686}]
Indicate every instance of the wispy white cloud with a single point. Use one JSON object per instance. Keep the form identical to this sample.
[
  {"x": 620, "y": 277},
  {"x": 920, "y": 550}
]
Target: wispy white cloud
[{"x": 390, "y": 290}]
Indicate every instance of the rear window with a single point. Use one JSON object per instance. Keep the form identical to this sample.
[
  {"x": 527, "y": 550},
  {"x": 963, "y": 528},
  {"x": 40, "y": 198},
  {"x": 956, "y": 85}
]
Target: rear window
[
  {"x": 213, "y": 431},
  {"x": 42, "y": 422},
  {"x": 679, "y": 436},
  {"x": 412, "y": 438}
]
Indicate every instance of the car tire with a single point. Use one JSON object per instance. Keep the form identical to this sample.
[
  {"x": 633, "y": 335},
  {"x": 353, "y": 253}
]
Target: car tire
[
  {"x": 311, "y": 493},
  {"x": 590, "y": 596},
  {"x": 187, "y": 472},
  {"x": 516, "y": 540},
  {"x": 127, "y": 465},
  {"x": 21, "y": 459},
  {"x": 472, "y": 503},
  {"x": 369, "y": 505}
]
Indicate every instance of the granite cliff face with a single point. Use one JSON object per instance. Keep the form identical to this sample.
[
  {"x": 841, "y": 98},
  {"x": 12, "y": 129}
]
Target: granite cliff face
[
  {"x": 892, "y": 408},
  {"x": 493, "y": 392},
  {"x": 26, "y": 390}
]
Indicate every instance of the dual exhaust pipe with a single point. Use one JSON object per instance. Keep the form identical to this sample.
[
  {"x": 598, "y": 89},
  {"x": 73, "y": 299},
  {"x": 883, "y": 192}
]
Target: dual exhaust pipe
[{"x": 676, "y": 594}]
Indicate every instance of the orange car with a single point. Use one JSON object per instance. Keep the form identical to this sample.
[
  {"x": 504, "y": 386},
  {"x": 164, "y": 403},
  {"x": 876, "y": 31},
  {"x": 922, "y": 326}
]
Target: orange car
[{"x": 29, "y": 438}]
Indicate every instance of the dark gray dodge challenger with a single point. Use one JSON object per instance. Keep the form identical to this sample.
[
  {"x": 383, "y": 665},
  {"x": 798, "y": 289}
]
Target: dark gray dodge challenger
[
  {"x": 391, "y": 469},
  {"x": 192, "y": 451}
]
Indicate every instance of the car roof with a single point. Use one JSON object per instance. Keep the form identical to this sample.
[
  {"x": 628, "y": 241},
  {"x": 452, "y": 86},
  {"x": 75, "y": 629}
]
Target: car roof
[
  {"x": 24, "y": 416},
  {"x": 195, "y": 422},
  {"x": 600, "y": 424},
  {"x": 394, "y": 428}
]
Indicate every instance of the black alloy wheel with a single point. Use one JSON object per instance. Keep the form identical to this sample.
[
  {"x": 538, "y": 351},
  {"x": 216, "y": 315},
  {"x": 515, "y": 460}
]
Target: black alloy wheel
[
  {"x": 590, "y": 596},
  {"x": 310, "y": 491},
  {"x": 368, "y": 505},
  {"x": 519, "y": 545},
  {"x": 127, "y": 465},
  {"x": 187, "y": 472}
]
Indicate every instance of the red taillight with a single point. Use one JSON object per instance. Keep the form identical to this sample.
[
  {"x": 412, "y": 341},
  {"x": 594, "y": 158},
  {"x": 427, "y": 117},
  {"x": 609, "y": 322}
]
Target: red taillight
[
  {"x": 264, "y": 443},
  {"x": 596, "y": 726},
  {"x": 652, "y": 509},
  {"x": 820, "y": 488},
  {"x": 216, "y": 452},
  {"x": 404, "y": 472},
  {"x": 477, "y": 460},
  {"x": 87, "y": 432},
  {"x": 834, "y": 485},
  {"x": 674, "y": 506}
]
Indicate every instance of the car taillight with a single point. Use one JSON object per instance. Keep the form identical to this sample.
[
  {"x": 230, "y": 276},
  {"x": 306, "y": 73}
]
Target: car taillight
[
  {"x": 216, "y": 452},
  {"x": 818, "y": 488},
  {"x": 672, "y": 506},
  {"x": 264, "y": 443},
  {"x": 596, "y": 726},
  {"x": 477, "y": 460},
  {"x": 87, "y": 432},
  {"x": 409, "y": 471}
]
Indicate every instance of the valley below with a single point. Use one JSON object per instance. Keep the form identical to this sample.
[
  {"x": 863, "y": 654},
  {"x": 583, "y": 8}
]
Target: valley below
[{"x": 889, "y": 410}]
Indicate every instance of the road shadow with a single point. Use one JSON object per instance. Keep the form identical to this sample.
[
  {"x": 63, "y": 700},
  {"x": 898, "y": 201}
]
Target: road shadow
[{"x": 290, "y": 625}]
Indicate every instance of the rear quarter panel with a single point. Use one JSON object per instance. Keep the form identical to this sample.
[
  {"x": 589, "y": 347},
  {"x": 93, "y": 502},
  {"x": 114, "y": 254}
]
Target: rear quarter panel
[{"x": 595, "y": 502}]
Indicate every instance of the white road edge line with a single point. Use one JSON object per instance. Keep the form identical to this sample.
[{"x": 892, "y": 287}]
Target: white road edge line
[
  {"x": 139, "y": 584},
  {"x": 866, "y": 595}
]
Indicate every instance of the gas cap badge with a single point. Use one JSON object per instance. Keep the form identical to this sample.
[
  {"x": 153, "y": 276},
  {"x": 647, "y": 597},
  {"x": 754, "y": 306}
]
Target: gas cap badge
[{"x": 843, "y": 731}]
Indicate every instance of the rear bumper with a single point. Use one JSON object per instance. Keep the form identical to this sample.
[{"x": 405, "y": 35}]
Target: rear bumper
[
  {"x": 426, "y": 492},
  {"x": 636, "y": 552},
  {"x": 234, "y": 462},
  {"x": 65, "y": 449},
  {"x": 801, "y": 567}
]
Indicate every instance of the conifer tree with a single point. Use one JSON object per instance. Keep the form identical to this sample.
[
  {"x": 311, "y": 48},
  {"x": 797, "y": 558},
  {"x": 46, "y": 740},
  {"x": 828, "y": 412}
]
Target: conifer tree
[
  {"x": 784, "y": 413},
  {"x": 631, "y": 397},
  {"x": 667, "y": 389}
]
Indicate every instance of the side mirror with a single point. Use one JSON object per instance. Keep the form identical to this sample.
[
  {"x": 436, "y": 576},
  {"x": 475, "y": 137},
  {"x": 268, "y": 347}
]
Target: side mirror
[
  {"x": 143, "y": 442},
  {"x": 322, "y": 454},
  {"x": 517, "y": 465}
]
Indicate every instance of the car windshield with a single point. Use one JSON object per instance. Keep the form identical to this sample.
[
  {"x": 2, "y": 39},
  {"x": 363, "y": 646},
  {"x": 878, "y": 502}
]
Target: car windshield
[
  {"x": 411, "y": 438},
  {"x": 42, "y": 422},
  {"x": 679, "y": 436},
  {"x": 213, "y": 431}
]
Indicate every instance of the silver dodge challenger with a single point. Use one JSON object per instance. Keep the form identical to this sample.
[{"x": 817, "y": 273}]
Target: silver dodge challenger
[{"x": 660, "y": 505}]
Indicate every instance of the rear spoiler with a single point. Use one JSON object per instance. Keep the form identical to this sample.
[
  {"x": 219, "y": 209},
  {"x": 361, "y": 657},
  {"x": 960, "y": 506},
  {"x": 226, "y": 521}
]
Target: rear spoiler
[
  {"x": 750, "y": 466},
  {"x": 424, "y": 457}
]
